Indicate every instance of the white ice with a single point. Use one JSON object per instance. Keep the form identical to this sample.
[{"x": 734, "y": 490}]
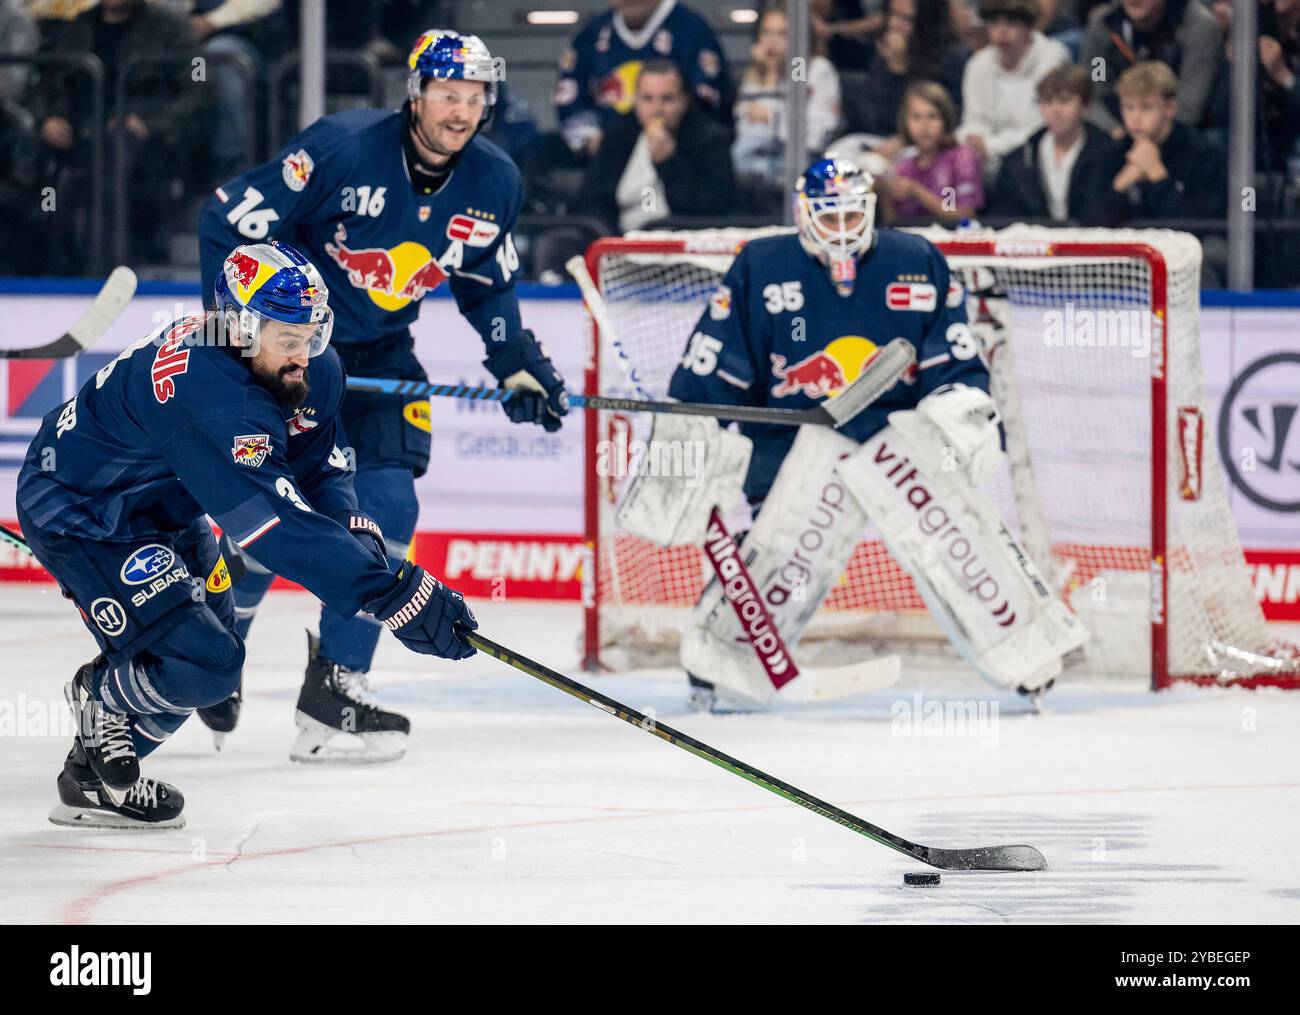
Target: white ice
[{"x": 516, "y": 803}]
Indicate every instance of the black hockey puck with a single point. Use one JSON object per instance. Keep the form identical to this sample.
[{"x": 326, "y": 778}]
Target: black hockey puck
[{"x": 920, "y": 879}]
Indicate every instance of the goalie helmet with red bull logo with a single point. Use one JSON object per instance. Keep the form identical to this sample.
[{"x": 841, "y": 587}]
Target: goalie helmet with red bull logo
[
  {"x": 835, "y": 211},
  {"x": 444, "y": 55},
  {"x": 272, "y": 281}
]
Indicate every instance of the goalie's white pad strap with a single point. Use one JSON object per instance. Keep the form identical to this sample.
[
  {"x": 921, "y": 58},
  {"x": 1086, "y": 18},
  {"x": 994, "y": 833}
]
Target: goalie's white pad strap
[
  {"x": 973, "y": 573},
  {"x": 805, "y": 534},
  {"x": 688, "y": 466}
]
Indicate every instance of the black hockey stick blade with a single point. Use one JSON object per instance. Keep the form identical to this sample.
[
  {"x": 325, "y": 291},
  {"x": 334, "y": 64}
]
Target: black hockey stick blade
[
  {"x": 111, "y": 299},
  {"x": 989, "y": 858},
  {"x": 8, "y": 535}
]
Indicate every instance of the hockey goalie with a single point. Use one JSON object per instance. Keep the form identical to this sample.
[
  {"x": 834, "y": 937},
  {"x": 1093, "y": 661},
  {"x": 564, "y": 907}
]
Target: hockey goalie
[{"x": 794, "y": 322}]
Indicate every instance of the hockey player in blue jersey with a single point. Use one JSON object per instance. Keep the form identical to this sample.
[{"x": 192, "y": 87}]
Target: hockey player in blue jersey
[
  {"x": 233, "y": 415},
  {"x": 390, "y": 205},
  {"x": 598, "y": 71},
  {"x": 794, "y": 321}
]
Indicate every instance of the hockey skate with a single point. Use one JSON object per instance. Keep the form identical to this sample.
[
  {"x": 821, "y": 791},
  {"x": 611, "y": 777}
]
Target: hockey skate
[
  {"x": 103, "y": 736},
  {"x": 84, "y": 802},
  {"x": 223, "y": 717},
  {"x": 337, "y": 720}
]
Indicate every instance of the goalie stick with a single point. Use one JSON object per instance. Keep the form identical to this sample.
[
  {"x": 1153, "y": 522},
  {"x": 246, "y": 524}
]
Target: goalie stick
[
  {"x": 878, "y": 375},
  {"x": 990, "y": 858},
  {"x": 824, "y": 684},
  {"x": 115, "y": 294}
]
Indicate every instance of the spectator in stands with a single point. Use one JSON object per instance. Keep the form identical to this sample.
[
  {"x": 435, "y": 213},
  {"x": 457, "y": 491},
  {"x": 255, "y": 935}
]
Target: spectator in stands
[
  {"x": 1179, "y": 33},
  {"x": 158, "y": 128},
  {"x": 845, "y": 28},
  {"x": 224, "y": 28},
  {"x": 598, "y": 72},
  {"x": 1064, "y": 172},
  {"x": 917, "y": 44},
  {"x": 666, "y": 157},
  {"x": 940, "y": 179},
  {"x": 1170, "y": 170},
  {"x": 759, "y": 151},
  {"x": 18, "y": 37},
  {"x": 23, "y": 234},
  {"x": 999, "y": 110}
]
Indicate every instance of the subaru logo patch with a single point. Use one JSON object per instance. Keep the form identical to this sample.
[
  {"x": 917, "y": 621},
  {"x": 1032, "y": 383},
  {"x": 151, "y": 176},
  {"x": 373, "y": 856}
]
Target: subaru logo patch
[{"x": 147, "y": 563}]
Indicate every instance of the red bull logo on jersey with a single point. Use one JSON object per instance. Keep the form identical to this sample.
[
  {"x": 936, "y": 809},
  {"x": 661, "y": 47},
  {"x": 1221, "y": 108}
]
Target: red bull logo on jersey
[
  {"x": 720, "y": 303},
  {"x": 617, "y": 89},
  {"x": 251, "y": 449},
  {"x": 296, "y": 169},
  {"x": 392, "y": 276},
  {"x": 826, "y": 372}
]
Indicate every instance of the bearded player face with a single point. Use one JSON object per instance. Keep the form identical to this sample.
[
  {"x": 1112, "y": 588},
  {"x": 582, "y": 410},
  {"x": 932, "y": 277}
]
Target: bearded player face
[
  {"x": 447, "y": 114},
  {"x": 279, "y": 360}
]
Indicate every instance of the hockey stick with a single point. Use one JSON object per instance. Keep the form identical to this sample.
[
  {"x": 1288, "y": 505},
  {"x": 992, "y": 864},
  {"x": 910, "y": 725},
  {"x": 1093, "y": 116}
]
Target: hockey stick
[
  {"x": 760, "y": 631},
  {"x": 8, "y": 535},
  {"x": 993, "y": 858},
  {"x": 98, "y": 318},
  {"x": 876, "y": 378}
]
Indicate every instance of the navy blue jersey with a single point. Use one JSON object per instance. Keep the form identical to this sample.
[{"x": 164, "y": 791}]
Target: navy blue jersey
[
  {"x": 776, "y": 333},
  {"x": 598, "y": 71},
  {"x": 170, "y": 431},
  {"x": 340, "y": 192}
]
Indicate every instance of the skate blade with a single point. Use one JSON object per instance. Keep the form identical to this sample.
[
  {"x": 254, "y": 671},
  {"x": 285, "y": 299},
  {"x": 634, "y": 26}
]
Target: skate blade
[
  {"x": 94, "y": 819},
  {"x": 217, "y": 740},
  {"x": 318, "y": 744}
]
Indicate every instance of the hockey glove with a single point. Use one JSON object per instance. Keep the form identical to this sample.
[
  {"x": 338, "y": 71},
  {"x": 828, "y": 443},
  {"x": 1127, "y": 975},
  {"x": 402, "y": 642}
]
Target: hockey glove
[
  {"x": 539, "y": 395},
  {"x": 423, "y": 612},
  {"x": 366, "y": 532}
]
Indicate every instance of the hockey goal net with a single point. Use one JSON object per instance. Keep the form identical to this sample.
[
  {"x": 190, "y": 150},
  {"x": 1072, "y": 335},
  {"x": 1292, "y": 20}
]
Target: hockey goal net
[{"x": 1111, "y": 478}]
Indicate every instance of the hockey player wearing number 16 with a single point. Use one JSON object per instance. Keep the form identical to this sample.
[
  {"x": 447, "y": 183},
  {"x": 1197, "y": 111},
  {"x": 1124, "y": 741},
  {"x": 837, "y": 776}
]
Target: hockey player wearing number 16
[
  {"x": 793, "y": 322},
  {"x": 390, "y": 205},
  {"x": 202, "y": 418}
]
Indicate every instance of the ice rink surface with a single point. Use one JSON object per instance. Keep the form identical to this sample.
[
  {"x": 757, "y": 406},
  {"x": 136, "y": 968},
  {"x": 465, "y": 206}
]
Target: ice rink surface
[{"x": 516, "y": 803}]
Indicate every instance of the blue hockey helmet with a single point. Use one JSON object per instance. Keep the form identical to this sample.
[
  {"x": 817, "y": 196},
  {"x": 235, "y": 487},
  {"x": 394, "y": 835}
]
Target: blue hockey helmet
[
  {"x": 835, "y": 210},
  {"x": 445, "y": 55},
  {"x": 272, "y": 281}
]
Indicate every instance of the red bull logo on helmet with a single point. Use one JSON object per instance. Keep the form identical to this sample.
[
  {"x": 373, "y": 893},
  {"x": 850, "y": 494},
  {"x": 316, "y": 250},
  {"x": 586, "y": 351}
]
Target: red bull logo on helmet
[
  {"x": 393, "y": 277},
  {"x": 251, "y": 449},
  {"x": 825, "y": 373},
  {"x": 245, "y": 274}
]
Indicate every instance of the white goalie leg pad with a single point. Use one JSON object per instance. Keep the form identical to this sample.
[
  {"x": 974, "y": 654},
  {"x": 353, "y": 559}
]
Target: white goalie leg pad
[
  {"x": 689, "y": 465},
  {"x": 804, "y": 536},
  {"x": 972, "y": 572}
]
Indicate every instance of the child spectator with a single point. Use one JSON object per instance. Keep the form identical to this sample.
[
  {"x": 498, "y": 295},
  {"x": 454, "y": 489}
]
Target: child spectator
[
  {"x": 999, "y": 111},
  {"x": 940, "y": 179},
  {"x": 759, "y": 150},
  {"x": 1064, "y": 171}
]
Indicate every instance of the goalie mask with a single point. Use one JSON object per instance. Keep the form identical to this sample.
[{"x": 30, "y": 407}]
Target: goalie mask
[
  {"x": 444, "y": 55},
  {"x": 272, "y": 281},
  {"x": 835, "y": 211}
]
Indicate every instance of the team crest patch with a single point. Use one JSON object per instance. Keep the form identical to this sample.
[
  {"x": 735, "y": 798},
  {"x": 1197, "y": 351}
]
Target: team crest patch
[
  {"x": 296, "y": 169},
  {"x": 710, "y": 63},
  {"x": 251, "y": 449},
  {"x": 663, "y": 44},
  {"x": 424, "y": 212},
  {"x": 720, "y": 303},
  {"x": 219, "y": 579}
]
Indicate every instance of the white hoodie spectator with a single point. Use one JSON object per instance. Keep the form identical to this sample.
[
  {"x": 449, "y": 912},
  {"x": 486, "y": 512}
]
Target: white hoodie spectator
[{"x": 999, "y": 108}]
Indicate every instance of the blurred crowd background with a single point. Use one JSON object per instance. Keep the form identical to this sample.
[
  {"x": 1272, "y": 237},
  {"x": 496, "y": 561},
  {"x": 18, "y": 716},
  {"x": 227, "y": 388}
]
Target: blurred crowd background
[{"x": 111, "y": 134}]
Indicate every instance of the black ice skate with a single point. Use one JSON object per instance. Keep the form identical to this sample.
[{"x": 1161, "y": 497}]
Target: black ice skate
[
  {"x": 223, "y": 717},
  {"x": 84, "y": 802},
  {"x": 337, "y": 720},
  {"x": 1035, "y": 695},
  {"x": 104, "y": 736},
  {"x": 703, "y": 696}
]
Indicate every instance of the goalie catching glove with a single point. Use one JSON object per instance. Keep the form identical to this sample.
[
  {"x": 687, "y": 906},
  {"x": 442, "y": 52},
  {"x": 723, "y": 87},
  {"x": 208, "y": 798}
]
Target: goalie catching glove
[
  {"x": 423, "y": 613},
  {"x": 539, "y": 397}
]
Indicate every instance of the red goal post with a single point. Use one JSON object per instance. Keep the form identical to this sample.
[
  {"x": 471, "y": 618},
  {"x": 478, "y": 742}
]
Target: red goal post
[{"x": 1096, "y": 433}]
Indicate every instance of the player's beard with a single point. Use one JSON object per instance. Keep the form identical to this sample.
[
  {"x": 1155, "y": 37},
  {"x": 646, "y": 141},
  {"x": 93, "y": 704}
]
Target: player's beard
[{"x": 290, "y": 394}]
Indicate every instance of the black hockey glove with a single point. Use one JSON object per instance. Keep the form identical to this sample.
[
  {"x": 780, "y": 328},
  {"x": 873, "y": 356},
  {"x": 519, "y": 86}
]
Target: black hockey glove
[
  {"x": 539, "y": 396},
  {"x": 366, "y": 531},
  {"x": 423, "y": 612}
]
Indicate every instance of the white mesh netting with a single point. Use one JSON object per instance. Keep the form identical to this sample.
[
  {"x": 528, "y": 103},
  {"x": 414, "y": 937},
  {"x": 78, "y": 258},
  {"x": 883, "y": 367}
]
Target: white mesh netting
[{"x": 1075, "y": 322}]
